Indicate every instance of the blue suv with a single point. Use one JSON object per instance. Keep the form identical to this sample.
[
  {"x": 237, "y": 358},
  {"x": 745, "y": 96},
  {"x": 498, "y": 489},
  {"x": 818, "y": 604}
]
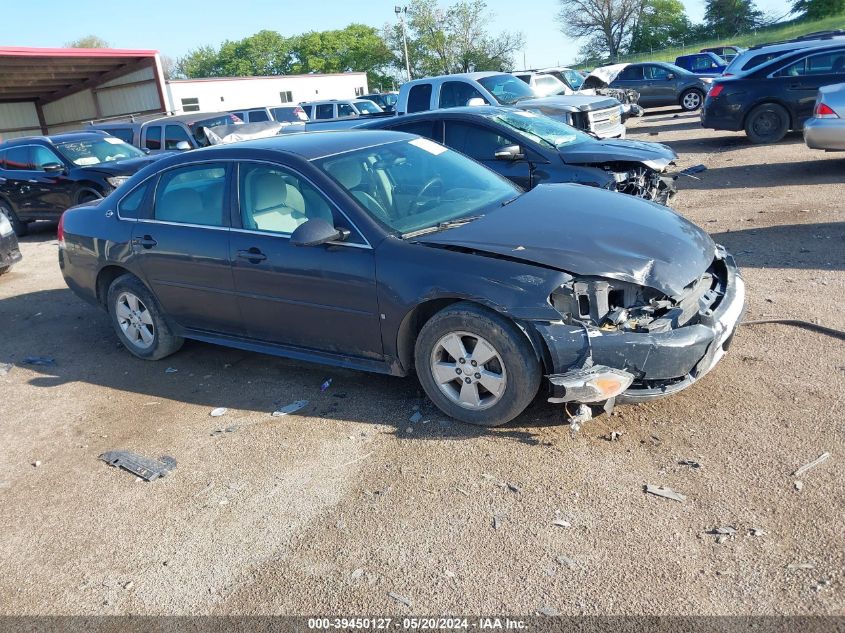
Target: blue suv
[{"x": 702, "y": 63}]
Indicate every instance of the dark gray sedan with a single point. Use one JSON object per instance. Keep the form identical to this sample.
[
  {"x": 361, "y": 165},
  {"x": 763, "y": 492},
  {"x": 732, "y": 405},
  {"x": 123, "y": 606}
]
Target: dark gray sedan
[{"x": 659, "y": 84}]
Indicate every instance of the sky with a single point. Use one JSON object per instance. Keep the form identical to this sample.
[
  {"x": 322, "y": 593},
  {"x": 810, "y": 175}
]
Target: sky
[{"x": 175, "y": 27}]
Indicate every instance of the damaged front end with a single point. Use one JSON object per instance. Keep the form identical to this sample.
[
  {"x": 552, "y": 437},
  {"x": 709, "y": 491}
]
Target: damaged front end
[
  {"x": 620, "y": 340},
  {"x": 643, "y": 182}
]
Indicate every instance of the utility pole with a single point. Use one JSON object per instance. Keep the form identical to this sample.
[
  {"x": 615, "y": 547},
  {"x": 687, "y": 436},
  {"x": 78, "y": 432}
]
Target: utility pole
[{"x": 399, "y": 11}]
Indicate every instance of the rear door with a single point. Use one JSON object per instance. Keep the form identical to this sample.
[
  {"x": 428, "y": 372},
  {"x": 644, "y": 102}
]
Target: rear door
[
  {"x": 182, "y": 248},
  {"x": 320, "y": 298},
  {"x": 799, "y": 82}
]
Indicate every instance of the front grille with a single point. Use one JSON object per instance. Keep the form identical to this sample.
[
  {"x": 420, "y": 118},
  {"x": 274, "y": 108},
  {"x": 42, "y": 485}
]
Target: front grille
[{"x": 601, "y": 120}]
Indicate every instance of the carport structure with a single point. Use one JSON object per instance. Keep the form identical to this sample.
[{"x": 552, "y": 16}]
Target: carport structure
[{"x": 50, "y": 90}]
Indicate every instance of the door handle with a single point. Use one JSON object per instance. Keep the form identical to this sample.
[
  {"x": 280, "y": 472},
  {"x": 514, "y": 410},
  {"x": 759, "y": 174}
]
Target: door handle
[
  {"x": 146, "y": 241},
  {"x": 253, "y": 255}
]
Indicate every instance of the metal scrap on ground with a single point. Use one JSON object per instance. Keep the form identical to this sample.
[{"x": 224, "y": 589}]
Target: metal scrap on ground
[
  {"x": 293, "y": 407},
  {"x": 819, "y": 460},
  {"x": 666, "y": 492},
  {"x": 144, "y": 467},
  {"x": 398, "y": 598},
  {"x": 416, "y": 417}
]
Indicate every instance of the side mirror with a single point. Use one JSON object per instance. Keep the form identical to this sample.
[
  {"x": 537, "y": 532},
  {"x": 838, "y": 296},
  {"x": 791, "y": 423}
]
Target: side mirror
[
  {"x": 146, "y": 150},
  {"x": 670, "y": 76},
  {"x": 183, "y": 146},
  {"x": 509, "y": 152},
  {"x": 315, "y": 232},
  {"x": 476, "y": 101},
  {"x": 53, "y": 167}
]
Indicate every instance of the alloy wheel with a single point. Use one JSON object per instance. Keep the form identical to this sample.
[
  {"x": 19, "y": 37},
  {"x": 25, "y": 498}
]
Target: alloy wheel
[
  {"x": 692, "y": 100},
  {"x": 135, "y": 320},
  {"x": 468, "y": 370}
]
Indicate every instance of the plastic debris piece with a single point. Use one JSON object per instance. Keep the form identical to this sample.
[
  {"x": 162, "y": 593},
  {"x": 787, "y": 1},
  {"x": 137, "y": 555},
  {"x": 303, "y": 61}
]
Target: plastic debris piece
[
  {"x": 170, "y": 370},
  {"x": 519, "y": 248},
  {"x": 293, "y": 407},
  {"x": 218, "y": 412},
  {"x": 449, "y": 574},
  {"x": 567, "y": 562},
  {"x": 800, "y": 566},
  {"x": 40, "y": 360},
  {"x": 496, "y": 522},
  {"x": 326, "y": 384},
  {"x": 144, "y": 467},
  {"x": 355, "y": 575},
  {"x": 819, "y": 460},
  {"x": 757, "y": 532},
  {"x": 514, "y": 488},
  {"x": 582, "y": 414},
  {"x": 400, "y": 599},
  {"x": 548, "y": 611},
  {"x": 688, "y": 462},
  {"x": 561, "y": 523},
  {"x": 416, "y": 417},
  {"x": 36, "y": 463},
  {"x": 613, "y": 436},
  {"x": 665, "y": 492},
  {"x": 799, "y": 486},
  {"x": 726, "y": 531}
]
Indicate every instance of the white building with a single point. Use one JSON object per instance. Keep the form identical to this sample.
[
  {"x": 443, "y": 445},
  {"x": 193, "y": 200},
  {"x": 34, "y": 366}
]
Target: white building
[{"x": 217, "y": 94}]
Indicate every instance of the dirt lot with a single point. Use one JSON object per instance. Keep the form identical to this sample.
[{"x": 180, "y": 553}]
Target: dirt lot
[{"x": 329, "y": 510}]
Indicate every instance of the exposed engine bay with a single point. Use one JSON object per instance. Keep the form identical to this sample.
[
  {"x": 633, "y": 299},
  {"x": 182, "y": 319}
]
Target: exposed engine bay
[{"x": 643, "y": 182}]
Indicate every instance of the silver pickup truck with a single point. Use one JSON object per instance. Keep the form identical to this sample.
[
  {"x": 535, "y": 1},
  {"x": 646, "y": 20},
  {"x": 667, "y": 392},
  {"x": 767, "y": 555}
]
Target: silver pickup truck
[{"x": 599, "y": 115}]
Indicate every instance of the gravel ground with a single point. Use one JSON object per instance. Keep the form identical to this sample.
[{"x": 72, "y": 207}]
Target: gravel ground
[{"x": 330, "y": 509}]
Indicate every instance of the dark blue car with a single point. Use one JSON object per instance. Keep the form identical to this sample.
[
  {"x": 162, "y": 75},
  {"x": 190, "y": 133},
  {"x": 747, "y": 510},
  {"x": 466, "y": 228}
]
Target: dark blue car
[
  {"x": 388, "y": 252},
  {"x": 702, "y": 63}
]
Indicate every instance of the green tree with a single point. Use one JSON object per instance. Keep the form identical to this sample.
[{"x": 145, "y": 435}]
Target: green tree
[
  {"x": 607, "y": 23},
  {"x": 89, "y": 41},
  {"x": 451, "y": 40},
  {"x": 816, "y": 9},
  {"x": 726, "y": 18},
  {"x": 661, "y": 23}
]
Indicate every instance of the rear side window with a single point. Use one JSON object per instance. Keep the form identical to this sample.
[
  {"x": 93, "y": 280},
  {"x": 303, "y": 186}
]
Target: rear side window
[
  {"x": 821, "y": 64},
  {"x": 153, "y": 140},
  {"x": 422, "y": 128},
  {"x": 129, "y": 207},
  {"x": 173, "y": 134},
  {"x": 419, "y": 98},
  {"x": 192, "y": 195},
  {"x": 17, "y": 158},
  {"x": 258, "y": 115},
  {"x": 325, "y": 111}
]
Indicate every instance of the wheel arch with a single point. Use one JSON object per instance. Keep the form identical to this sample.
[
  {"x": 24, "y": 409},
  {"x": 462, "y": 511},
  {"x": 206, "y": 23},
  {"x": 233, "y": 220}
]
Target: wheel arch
[
  {"x": 105, "y": 278},
  {"x": 765, "y": 101},
  {"x": 86, "y": 186}
]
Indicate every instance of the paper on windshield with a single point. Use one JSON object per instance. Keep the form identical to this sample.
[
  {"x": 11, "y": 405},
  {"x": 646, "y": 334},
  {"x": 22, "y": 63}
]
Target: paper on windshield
[
  {"x": 430, "y": 146},
  {"x": 113, "y": 140}
]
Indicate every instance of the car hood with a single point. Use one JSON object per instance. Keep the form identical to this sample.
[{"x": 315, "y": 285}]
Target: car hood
[
  {"x": 584, "y": 103},
  {"x": 653, "y": 155},
  {"x": 124, "y": 167},
  {"x": 587, "y": 231},
  {"x": 605, "y": 75}
]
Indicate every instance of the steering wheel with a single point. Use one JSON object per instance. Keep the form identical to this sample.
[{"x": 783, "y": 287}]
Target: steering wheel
[{"x": 431, "y": 184}]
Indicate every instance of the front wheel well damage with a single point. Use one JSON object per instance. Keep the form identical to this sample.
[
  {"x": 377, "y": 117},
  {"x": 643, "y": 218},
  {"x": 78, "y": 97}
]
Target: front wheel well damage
[{"x": 414, "y": 321}]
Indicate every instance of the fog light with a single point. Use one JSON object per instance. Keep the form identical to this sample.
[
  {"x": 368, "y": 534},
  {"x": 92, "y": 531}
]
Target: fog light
[{"x": 595, "y": 384}]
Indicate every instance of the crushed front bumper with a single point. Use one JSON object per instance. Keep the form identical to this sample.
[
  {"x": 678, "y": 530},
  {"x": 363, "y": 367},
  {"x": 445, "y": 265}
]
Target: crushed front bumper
[{"x": 661, "y": 363}]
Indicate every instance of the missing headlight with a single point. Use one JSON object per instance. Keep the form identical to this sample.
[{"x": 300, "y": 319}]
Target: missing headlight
[{"x": 609, "y": 304}]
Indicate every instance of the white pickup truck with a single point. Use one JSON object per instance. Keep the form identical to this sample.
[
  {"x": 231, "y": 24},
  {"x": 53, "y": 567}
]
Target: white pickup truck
[{"x": 601, "y": 116}]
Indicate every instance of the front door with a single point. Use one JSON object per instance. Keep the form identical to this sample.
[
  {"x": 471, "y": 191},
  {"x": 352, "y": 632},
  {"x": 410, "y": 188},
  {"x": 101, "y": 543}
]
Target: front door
[
  {"x": 632, "y": 78},
  {"x": 662, "y": 85},
  {"x": 320, "y": 298},
  {"x": 481, "y": 143},
  {"x": 53, "y": 191},
  {"x": 183, "y": 248}
]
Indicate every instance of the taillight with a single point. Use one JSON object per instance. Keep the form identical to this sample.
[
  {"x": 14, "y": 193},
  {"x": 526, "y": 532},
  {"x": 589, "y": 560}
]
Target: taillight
[
  {"x": 824, "y": 111},
  {"x": 60, "y": 231},
  {"x": 715, "y": 90}
]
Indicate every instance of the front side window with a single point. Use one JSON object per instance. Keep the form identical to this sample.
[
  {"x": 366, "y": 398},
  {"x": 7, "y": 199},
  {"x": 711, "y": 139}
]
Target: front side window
[
  {"x": 175, "y": 134},
  {"x": 415, "y": 185},
  {"x": 103, "y": 150},
  {"x": 506, "y": 89},
  {"x": 258, "y": 115},
  {"x": 153, "y": 138},
  {"x": 656, "y": 73},
  {"x": 419, "y": 98},
  {"x": 475, "y": 141},
  {"x": 42, "y": 156},
  {"x": 192, "y": 195},
  {"x": 345, "y": 111},
  {"x": 456, "y": 94},
  {"x": 367, "y": 107}
]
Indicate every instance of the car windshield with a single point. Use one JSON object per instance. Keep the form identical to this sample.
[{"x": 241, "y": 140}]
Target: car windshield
[
  {"x": 93, "y": 152},
  {"x": 574, "y": 78},
  {"x": 389, "y": 99},
  {"x": 507, "y": 89},
  {"x": 367, "y": 107},
  {"x": 417, "y": 185},
  {"x": 540, "y": 128}
]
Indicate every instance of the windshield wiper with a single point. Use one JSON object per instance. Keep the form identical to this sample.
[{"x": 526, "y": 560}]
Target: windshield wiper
[{"x": 442, "y": 226}]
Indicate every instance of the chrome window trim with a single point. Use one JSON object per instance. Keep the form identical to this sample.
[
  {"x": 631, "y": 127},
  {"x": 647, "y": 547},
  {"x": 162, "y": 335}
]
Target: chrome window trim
[
  {"x": 320, "y": 190},
  {"x": 195, "y": 226},
  {"x": 286, "y": 236}
]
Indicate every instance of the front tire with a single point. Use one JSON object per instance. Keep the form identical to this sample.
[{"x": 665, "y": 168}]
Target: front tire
[
  {"x": 499, "y": 371},
  {"x": 20, "y": 228},
  {"x": 767, "y": 123},
  {"x": 139, "y": 321},
  {"x": 691, "y": 100}
]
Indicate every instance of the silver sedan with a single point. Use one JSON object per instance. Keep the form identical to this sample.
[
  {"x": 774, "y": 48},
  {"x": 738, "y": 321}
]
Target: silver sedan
[{"x": 826, "y": 129}]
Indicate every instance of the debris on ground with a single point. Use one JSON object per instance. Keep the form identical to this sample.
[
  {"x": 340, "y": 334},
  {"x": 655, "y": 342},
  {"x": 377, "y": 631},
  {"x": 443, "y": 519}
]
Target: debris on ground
[
  {"x": 339, "y": 395},
  {"x": 5, "y": 368},
  {"x": 39, "y": 360},
  {"x": 613, "y": 436},
  {"x": 819, "y": 460},
  {"x": 561, "y": 523},
  {"x": 800, "y": 566},
  {"x": 665, "y": 492},
  {"x": 582, "y": 414},
  {"x": 416, "y": 417},
  {"x": 400, "y": 599},
  {"x": 449, "y": 574},
  {"x": 355, "y": 575},
  {"x": 170, "y": 370},
  {"x": 513, "y": 488},
  {"x": 36, "y": 463},
  {"x": 128, "y": 585},
  {"x": 496, "y": 522},
  {"x": 218, "y": 412},
  {"x": 723, "y": 533},
  {"x": 144, "y": 467},
  {"x": 756, "y": 532},
  {"x": 567, "y": 562},
  {"x": 293, "y": 407},
  {"x": 228, "y": 429},
  {"x": 799, "y": 486},
  {"x": 326, "y": 384},
  {"x": 689, "y": 462},
  {"x": 548, "y": 611}
]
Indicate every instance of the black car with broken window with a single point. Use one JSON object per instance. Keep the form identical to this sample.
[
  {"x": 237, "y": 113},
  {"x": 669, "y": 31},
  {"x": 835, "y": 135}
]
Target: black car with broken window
[{"x": 388, "y": 252}]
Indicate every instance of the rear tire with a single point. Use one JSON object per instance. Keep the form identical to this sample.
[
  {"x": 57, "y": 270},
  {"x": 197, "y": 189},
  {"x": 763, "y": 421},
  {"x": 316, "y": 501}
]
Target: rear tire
[
  {"x": 500, "y": 373},
  {"x": 767, "y": 123},
  {"x": 20, "y": 228},
  {"x": 139, "y": 321},
  {"x": 691, "y": 100}
]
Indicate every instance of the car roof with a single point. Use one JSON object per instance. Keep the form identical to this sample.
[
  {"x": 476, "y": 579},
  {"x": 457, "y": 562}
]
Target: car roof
[
  {"x": 53, "y": 138},
  {"x": 795, "y": 54},
  {"x": 189, "y": 117},
  {"x": 312, "y": 145}
]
